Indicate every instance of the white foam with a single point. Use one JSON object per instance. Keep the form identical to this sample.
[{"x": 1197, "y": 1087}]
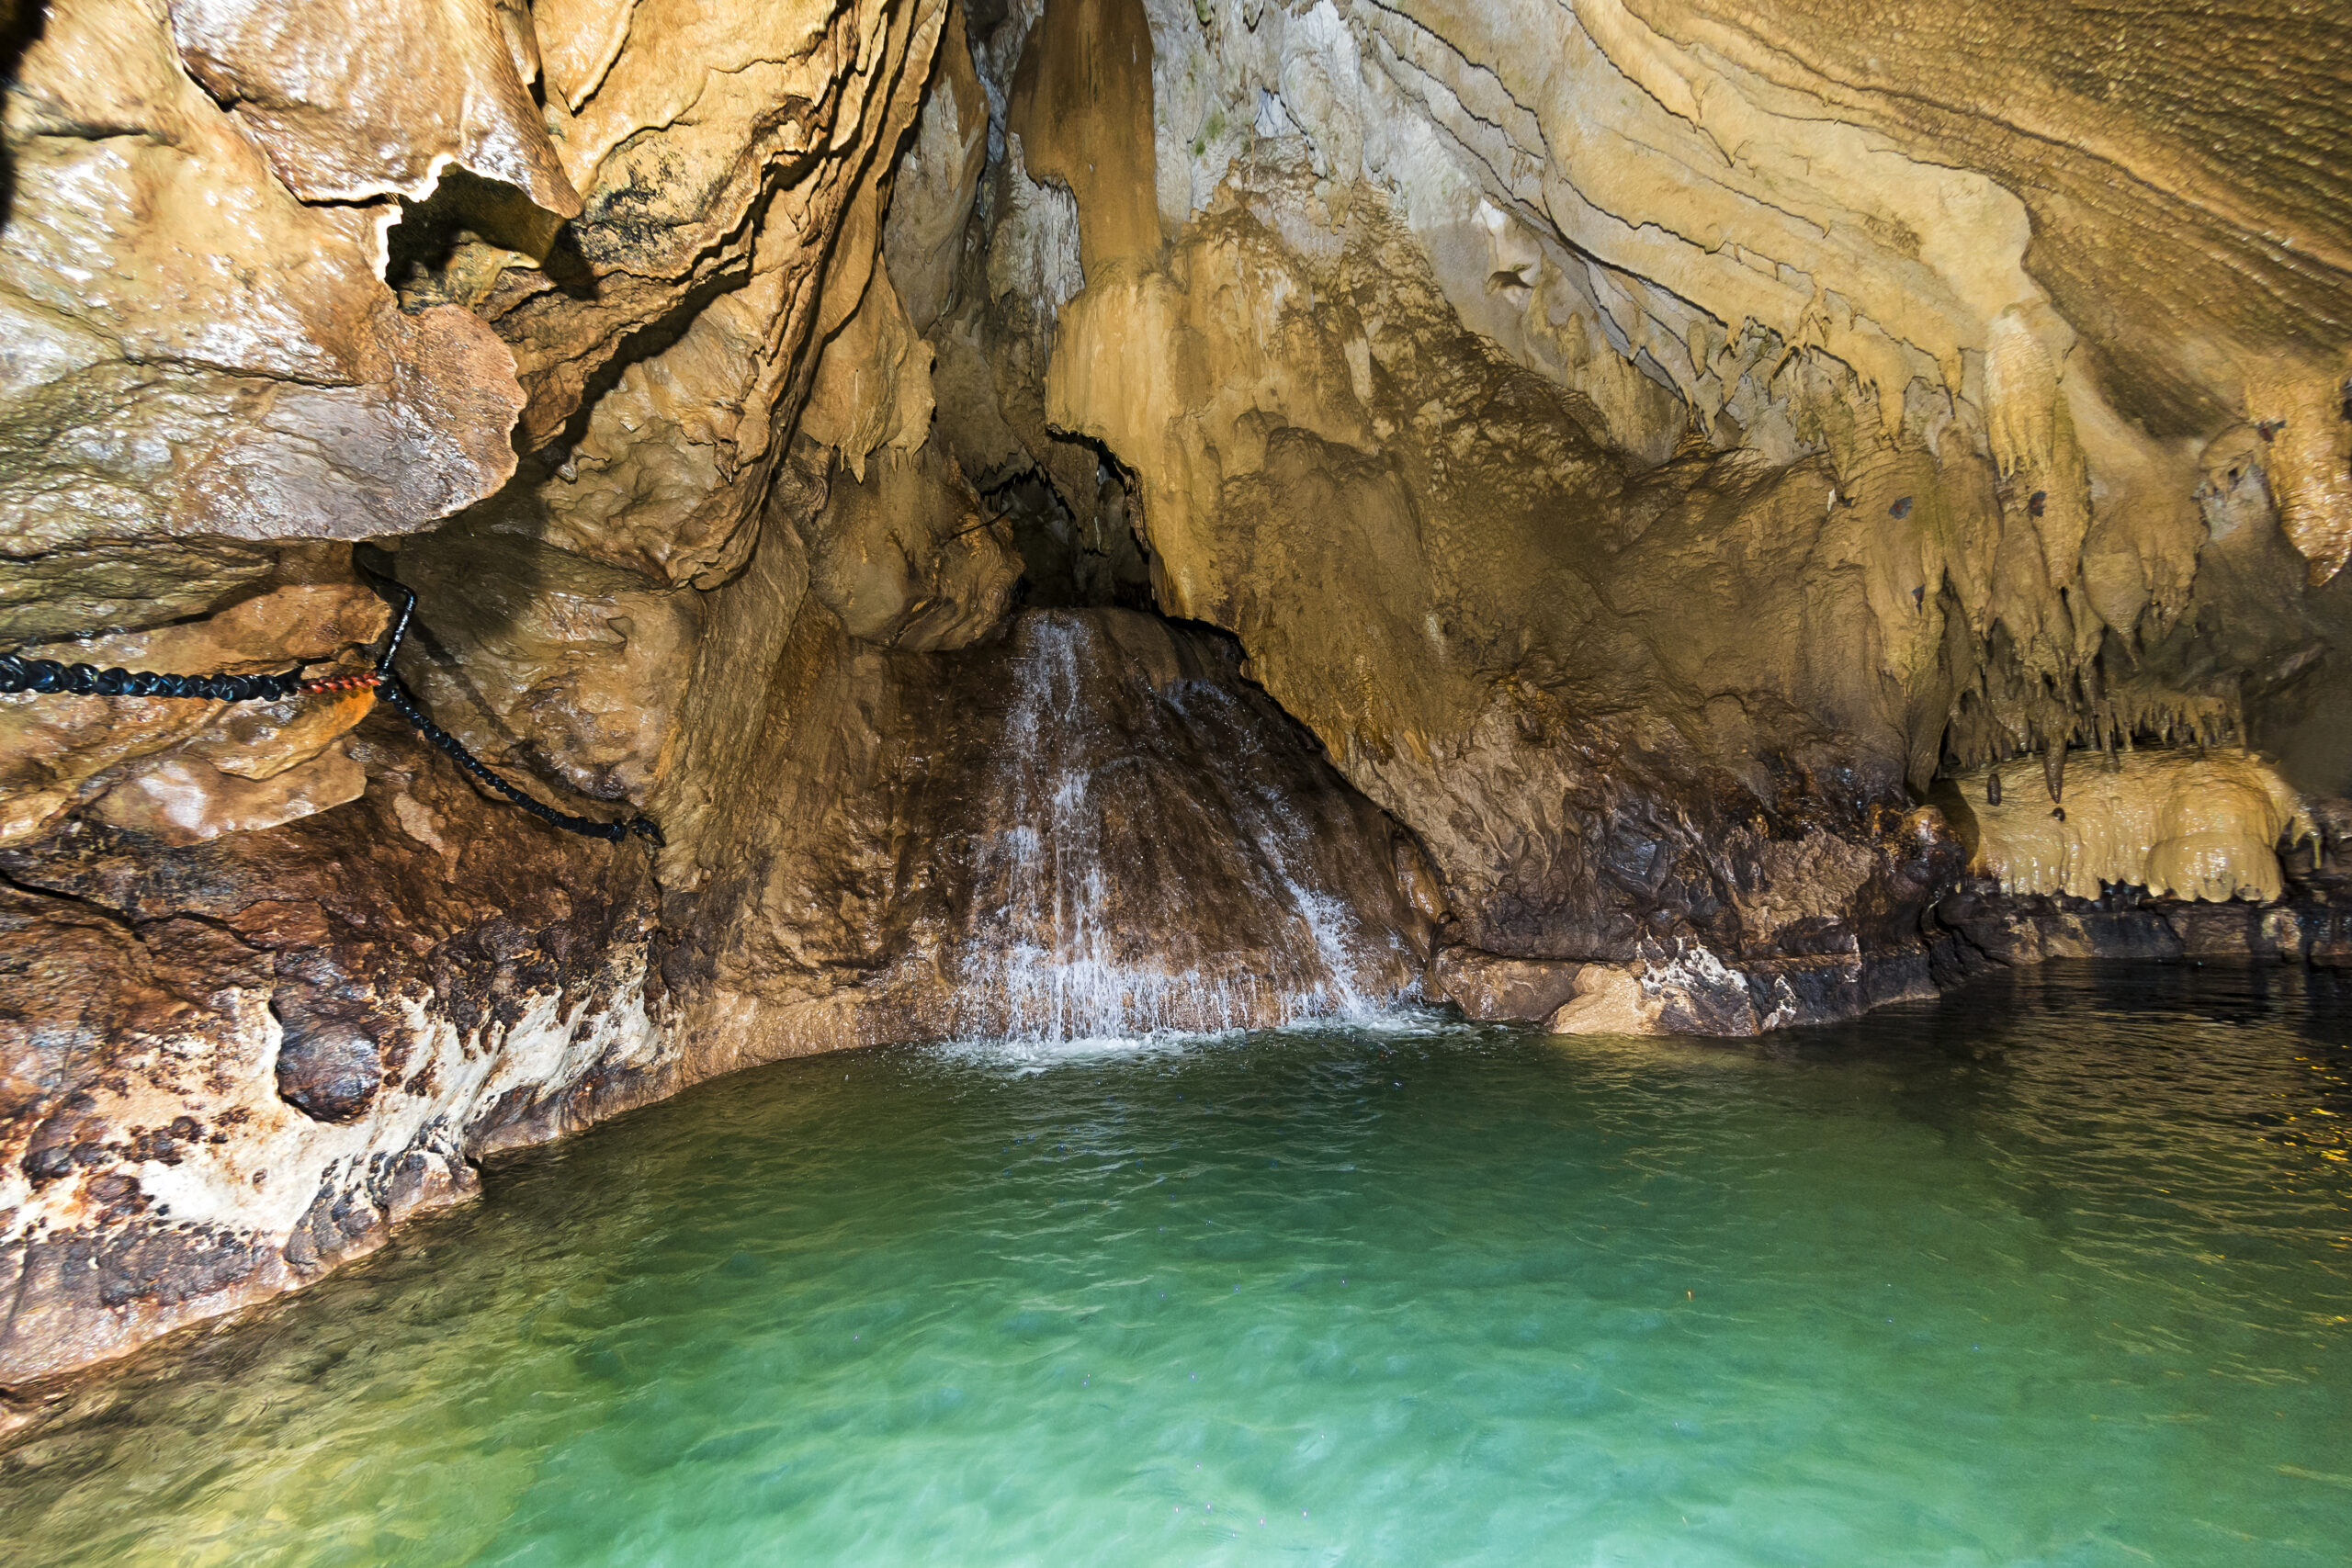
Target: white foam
[{"x": 1055, "y": 972}]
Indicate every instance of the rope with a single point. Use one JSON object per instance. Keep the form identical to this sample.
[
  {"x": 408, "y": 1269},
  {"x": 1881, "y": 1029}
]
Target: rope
[{"x": 18, "y": 673}]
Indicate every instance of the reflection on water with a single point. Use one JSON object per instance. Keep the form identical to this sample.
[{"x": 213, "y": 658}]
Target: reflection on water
[{"x": 2058, "y": 1273}]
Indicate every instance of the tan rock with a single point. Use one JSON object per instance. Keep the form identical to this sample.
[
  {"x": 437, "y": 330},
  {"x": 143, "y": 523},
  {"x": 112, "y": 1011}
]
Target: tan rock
[
  {"x": 182, "y": 799},
  {"x": 1436, "y": 565},
  {"x": 152, "y": 387},
  {"x": 353, "y": 101},
  {"x": 562, "y": 669},
  {"x": 65, "y": 593},
  {"x": 2179, "y": 823},
  {"x": 56, "y": 751},
  {"x": 1494, "y": 988},
  {"x": 873, "y": 386},
  {"x": 2195, "y": 266},
  {"x": 909, "y": 560},
  {"x": 261, "y": 740},
  {"x": 578, "y": 42},
  {"x": 1609, "y": 1000},
  {"x": 1083, "y": 106},
  {"x": 680, "y": 151},
  {"x": 2300, "y": 411}
]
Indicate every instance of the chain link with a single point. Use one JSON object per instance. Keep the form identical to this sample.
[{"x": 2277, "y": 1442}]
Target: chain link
[{"x": 20, "y": 673}]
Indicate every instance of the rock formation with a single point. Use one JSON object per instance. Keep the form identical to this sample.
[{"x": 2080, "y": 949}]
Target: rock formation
[
  {"x": 1081, "y": 516},
  {"x": 2178, "y": 824},
  {"x": 1693, "y": 412}
]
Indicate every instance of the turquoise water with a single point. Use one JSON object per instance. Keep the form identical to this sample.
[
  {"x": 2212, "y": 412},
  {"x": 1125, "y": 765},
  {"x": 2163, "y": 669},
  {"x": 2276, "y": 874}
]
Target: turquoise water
[{"x": 2056, "y": 1273}]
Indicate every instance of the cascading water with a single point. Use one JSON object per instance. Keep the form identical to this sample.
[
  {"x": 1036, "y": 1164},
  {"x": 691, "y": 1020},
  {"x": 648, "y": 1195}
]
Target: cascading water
[{"x": 1164, "y": 851}]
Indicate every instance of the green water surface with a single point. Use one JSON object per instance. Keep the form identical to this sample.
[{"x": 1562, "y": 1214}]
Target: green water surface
[{"x": 2057, "y": 1272}]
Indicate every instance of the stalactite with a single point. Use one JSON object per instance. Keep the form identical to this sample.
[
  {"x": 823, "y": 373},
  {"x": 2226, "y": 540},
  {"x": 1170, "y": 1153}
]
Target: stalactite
[{"x": 2180, "y": 825}]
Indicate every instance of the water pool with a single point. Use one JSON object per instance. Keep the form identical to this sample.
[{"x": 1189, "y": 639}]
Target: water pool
[{"x": 2059, "y": 1272}]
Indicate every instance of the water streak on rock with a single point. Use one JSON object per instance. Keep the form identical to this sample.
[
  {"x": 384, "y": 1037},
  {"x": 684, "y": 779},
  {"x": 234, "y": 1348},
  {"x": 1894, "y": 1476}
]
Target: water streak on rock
[{"x": 1152, "y": 863}]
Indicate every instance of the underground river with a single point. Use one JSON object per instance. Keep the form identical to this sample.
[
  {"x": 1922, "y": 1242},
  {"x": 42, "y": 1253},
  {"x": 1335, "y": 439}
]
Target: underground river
[{"x": 2059, "y": 1271}]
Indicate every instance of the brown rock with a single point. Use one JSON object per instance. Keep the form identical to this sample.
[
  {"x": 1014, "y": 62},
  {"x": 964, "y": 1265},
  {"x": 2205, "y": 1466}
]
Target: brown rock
[
  {"x": 1602, "y": 701},
  {"x": 224, "y": 1066},
  {"x": 1117, "y": 832},
  {"x": 547, "y": 663},
  {"x": 1646, "y": 450},
  {"x": 56, "y": 751},
  {"x": 1498, "y": 989},
  {"x": 907, "y": 559}
]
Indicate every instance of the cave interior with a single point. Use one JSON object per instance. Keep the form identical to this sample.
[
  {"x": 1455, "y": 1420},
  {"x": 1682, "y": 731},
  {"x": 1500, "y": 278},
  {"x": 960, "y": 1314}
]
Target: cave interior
[{"x": 1638, "y": 518}]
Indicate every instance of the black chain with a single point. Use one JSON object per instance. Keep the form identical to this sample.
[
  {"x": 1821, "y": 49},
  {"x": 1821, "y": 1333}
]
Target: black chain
[
  {"x": 18, "y": 673},
  {"x": 402, "y": 599},
  {"x": 404, "y": 702}
]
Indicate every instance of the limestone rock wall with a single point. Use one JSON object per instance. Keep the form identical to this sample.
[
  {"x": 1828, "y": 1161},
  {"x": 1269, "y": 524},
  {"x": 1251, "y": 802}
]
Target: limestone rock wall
[
  {"x": 1086, "y": 824},
  {"x": 2186, "y": 825},
  {"x": 1649, "y": 443},
  {"x": 272, "y": 273},
  {"x": 532, "y": 295},
  {"x": 228, "y": 1066}
]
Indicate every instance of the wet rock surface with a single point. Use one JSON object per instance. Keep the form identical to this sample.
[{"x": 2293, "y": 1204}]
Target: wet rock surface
[
  {"x": 2308, "y": 921},
  {"x": 1501, "y": 989},
  {"x": 1514, "y": 408},
  {"x": 230, "y": 1064},
  {"x": 1088, "y": 824}
]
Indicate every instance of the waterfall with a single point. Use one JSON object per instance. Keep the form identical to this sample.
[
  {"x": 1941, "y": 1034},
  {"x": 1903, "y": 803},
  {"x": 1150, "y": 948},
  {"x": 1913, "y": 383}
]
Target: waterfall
[{"x": 1163, "y": 851}]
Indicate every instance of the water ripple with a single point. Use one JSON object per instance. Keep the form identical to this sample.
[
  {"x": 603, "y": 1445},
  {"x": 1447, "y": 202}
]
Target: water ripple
[{"x": 2059, "y": 1273}]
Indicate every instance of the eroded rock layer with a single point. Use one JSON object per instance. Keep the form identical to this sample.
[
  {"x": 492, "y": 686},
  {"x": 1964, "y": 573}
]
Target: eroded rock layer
[{"x": 228, "y": 1066}]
